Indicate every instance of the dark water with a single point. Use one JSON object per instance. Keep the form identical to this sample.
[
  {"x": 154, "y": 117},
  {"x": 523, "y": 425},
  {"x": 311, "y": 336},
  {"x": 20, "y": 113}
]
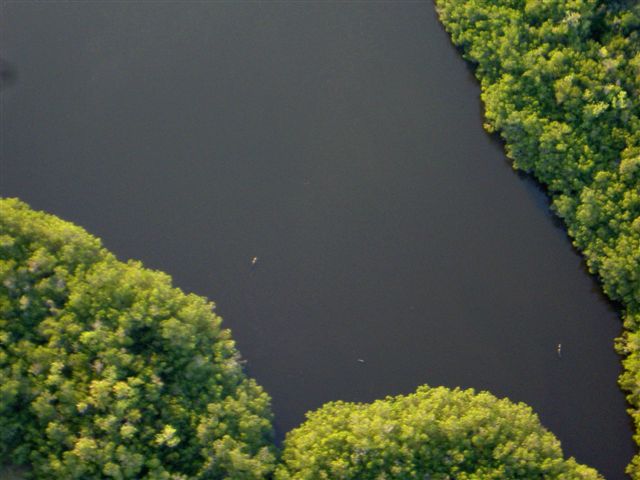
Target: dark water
[{"x": 340, "y": 143}]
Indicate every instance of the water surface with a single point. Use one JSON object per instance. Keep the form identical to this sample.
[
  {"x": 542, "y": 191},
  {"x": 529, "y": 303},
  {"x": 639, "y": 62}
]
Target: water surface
[{"x": 341, "y": 144}]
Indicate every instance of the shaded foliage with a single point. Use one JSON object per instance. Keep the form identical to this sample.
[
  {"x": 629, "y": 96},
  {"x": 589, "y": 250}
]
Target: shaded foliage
[
  {"x": 435, "y": 433},
  {"x": 561, "y": 84},
  {"x": 107, "y": 371}
]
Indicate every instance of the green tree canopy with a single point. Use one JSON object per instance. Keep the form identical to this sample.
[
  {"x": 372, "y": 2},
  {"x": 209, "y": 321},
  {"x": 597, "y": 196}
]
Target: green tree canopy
[
  {"x": 107, "y": 371},
  {"x": 435, "y": 433},
  {"x": 561, "y": 84}
]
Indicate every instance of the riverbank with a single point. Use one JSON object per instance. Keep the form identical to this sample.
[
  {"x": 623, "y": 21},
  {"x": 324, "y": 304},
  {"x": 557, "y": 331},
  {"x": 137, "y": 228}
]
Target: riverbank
[{"x": 560, "y": 84}]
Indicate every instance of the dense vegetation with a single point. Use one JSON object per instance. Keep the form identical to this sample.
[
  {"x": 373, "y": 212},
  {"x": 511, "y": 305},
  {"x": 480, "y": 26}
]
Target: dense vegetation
[
  {"x": 561, "y": 84},
  {"x": 435, "y": 433},
  {"x": 107, "y": 371}
]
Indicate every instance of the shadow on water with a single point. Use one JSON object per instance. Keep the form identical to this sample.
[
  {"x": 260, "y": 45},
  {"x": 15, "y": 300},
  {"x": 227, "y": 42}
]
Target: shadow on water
[{"x": 8, "y": 74}]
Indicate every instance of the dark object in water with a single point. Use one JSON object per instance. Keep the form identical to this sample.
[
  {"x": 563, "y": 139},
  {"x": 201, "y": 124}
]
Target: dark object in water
[{"x": 8, "y": 75}]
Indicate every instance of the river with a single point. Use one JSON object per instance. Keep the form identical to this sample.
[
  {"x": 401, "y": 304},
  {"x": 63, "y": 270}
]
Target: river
[{"x": 341, "y": 144}]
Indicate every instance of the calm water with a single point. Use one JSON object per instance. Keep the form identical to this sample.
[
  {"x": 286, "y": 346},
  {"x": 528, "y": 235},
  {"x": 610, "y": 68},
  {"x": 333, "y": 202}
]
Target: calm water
[{"x": 340, "y": 143}]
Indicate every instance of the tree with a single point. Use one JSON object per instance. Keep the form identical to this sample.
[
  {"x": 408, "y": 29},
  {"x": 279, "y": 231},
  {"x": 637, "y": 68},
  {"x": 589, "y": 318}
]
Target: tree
[
  {"x": 564, "y": 94},
  {"x": 434, "y": 433},
  {"x": 107, "y": 371}
]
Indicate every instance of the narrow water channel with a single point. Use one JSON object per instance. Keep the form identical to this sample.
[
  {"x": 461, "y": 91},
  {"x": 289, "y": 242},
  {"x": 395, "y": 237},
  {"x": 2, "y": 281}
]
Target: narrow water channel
[{"x": 341, "y": 145}]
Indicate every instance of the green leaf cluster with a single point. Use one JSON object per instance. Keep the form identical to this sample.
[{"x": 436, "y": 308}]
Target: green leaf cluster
[
  {"x": 560, "y": 82},
  {"x": 107, "y": 371},
  {"x": 434, "y": 434}
]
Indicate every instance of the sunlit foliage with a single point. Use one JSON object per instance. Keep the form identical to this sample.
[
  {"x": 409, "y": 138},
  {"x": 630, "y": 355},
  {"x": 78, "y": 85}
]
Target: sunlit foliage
[
  {"x": 561, "y": 85},
  {"x": 435, "y": 434},
  {"x": 107, "y": 371}
]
